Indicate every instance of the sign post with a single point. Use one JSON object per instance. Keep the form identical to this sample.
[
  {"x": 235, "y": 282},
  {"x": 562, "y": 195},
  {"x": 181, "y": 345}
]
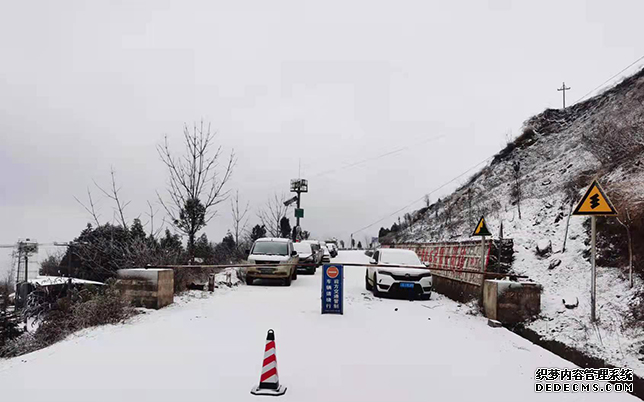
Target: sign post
[
  {"x": 594, "y": 203},
  {"x": 332, "y": 289},
  {"x": 482, "y": 230}
]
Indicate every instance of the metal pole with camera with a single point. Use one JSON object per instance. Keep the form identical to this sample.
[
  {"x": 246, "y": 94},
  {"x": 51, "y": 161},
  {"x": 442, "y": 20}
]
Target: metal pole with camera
[{"x": 298, "y": 186}]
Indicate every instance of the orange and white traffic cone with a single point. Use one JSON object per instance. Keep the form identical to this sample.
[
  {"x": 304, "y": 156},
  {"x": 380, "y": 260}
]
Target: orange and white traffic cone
[{"x": 269, "y": 383}]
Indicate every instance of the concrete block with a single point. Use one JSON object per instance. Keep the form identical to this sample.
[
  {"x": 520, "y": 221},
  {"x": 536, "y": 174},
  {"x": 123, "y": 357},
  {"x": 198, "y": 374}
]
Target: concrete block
[
  {"x": 150, "y": 288},
  {"x": 511, "y": 302}
]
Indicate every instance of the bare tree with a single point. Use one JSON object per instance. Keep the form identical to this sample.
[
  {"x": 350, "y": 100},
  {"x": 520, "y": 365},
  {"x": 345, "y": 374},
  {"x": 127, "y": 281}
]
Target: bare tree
[
  {"x": 113, "y": 195},
  {"x": 470, "y": 221},
  {"x": 240, "y": 219},
  {"x": 272, "y": 213},
  {"x": 570, "y": 190},
  {"x": 626, "y": 220},
  {"x": 154, "y": 233},
  {"x": 90, "y": 208},
  {"x": 427, "y": 201},
  {"x": 195, "y": 186},
  {"x": 448, "y": 211},
  {"x": 630, "y": 209},
  {"x": 515, "y": 192}
]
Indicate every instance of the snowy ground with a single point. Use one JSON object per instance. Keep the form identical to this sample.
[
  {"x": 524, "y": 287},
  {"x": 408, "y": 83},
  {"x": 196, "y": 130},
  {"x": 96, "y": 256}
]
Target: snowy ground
[{"x": 210, "y": 348}]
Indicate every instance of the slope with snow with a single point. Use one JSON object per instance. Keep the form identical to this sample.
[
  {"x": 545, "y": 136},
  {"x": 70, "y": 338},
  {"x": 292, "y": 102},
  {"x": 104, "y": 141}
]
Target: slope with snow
[
  {"x": 554, "y": 156},
  {"x": 210, "y": 347}
]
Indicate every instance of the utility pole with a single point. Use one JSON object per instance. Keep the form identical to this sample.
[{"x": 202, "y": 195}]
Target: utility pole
[
  {"x": 563, "y": 89},
  {"x": 26, "y": 267}
]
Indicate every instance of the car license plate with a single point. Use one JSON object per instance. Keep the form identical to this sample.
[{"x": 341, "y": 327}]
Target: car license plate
[
  {"x": 407, "y": 285},
  {"x": 266, "y": 270}
]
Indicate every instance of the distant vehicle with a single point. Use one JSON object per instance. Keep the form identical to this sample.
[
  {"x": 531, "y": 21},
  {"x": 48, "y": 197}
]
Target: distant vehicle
[
  {"x": 327, "y": 254},
  {"x": 333, "y": 249},
  {"x": 317, "y": 248},
  {"x": 414, "y": 280},
  {"x": 269, "y": 250},
  {"x": 308, "y": 257}
]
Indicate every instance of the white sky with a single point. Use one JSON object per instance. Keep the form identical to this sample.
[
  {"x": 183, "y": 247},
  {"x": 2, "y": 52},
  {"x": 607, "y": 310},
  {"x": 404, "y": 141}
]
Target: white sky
[{"x": 89, "y": 85}]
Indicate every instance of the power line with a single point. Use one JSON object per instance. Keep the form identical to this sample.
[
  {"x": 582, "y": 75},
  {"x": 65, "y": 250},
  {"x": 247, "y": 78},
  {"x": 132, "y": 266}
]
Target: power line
[
  {"x": 611, "y": 78},
  {"x": 419, "y": 199},
  {"x": 347, "y": 166},
  {"x": 379, "y": 156}
]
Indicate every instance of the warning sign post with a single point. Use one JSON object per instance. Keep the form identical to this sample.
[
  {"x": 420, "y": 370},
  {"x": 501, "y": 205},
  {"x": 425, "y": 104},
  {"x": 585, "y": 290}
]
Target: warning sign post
[
  {"x": 594, "y": 203},
  {"x": 482, "y": 231}
]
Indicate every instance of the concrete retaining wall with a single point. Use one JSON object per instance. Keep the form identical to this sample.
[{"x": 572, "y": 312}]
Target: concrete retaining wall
[
  {"x": 455, "y": 289},
  {"x": 150, "y": 288}
]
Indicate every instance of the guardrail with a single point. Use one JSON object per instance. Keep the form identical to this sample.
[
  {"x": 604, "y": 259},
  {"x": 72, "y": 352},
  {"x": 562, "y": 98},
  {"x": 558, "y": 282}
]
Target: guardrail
[{"x": 346, "y": 264}]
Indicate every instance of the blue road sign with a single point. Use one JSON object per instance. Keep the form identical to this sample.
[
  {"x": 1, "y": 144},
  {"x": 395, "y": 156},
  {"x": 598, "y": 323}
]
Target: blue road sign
[{"x": 332, "y": 288}]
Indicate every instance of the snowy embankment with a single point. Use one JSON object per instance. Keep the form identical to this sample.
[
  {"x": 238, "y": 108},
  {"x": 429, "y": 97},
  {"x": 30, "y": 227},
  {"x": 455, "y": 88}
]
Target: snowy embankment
[
  {"x": 210, "y": 347},
  {"x": 566, "y": 276}
]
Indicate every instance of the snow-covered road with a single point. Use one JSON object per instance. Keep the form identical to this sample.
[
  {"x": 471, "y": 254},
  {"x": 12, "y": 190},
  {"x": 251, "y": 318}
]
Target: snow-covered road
[{"x": 210, "y": 348}]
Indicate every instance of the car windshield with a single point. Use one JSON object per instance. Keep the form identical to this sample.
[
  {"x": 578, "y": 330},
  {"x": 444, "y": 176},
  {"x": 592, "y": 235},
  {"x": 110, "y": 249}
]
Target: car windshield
[
  {"x": 270, "y": 247},
  {"x": 302, "y": 247},
  {"x": 399, "y": 258}
]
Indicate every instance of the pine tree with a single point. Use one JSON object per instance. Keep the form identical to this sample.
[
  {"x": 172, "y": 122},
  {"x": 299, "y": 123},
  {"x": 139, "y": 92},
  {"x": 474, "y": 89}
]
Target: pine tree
[{"x": 136, "y": 230}]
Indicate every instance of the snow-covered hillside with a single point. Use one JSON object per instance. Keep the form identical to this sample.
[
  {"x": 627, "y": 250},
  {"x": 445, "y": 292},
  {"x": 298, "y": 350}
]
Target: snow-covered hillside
[{"x": 555, "y": 159}]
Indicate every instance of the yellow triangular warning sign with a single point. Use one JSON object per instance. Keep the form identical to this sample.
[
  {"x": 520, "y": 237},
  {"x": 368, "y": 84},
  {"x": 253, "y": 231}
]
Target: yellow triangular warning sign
[
  {"x": 595, "y": 202},
  {"x": 481, "y": 229}
]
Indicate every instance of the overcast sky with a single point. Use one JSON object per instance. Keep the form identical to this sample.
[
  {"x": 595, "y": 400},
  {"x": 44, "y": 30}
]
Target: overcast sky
[{"x": 85, "y": 86}]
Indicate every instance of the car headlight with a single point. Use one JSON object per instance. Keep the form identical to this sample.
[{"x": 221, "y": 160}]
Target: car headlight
[
  {"x": 382, "y": 271},
  {"x": 425, "y": 275}
]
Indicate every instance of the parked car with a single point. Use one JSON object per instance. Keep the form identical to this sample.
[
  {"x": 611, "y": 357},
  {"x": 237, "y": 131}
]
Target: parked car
[
  {"x": 307, "y": 257},
  {"x": 319, "y": 253},
  {"x": 407, "y": 275},
  {"x": 272, "y": 251}
]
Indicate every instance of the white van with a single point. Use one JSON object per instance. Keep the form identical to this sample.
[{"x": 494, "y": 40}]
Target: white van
[{"x": 269, "y": 250}]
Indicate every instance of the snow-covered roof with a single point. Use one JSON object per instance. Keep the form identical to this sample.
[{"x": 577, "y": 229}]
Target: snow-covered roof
[
  {"x": 60, "y": 280},
  {"x": 396, "y": 251},
  {"x": 275, "y": 239}
]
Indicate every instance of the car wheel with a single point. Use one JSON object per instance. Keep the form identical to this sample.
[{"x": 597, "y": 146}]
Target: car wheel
[
  {"x": 295, "y": 274},
  {"x": 375, "y": 290},
  {"x": 249, "y": 280},
  {"x": 287, "y": 281},
  {"x": 367, "y": 285}
]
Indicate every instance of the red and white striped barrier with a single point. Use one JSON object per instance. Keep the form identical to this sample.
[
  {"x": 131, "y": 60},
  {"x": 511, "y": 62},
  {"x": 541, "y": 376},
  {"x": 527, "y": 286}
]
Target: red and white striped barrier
[{"x": 269, "y": 383}]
